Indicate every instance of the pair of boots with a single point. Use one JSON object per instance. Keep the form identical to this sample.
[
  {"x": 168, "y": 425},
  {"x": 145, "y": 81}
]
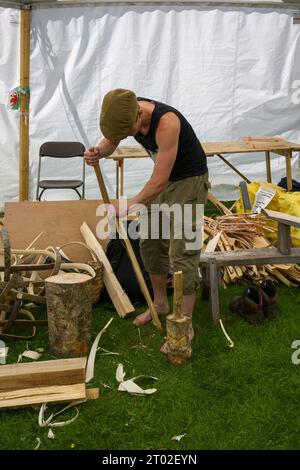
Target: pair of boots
[{"x": 256, "y": 303}]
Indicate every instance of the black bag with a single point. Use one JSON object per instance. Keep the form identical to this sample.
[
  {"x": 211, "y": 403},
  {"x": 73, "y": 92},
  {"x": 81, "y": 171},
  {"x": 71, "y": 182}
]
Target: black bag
[
  {"x": 117, "y": 254},
  {"x": 283, "y": 184}
]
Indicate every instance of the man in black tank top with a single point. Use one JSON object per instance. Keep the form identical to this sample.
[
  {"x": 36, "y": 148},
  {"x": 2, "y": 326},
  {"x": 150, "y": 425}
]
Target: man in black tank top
[{"x": 179, "y": 178}]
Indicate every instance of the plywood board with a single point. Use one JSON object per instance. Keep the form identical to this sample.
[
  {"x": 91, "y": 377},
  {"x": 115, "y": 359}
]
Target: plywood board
[{"x": 59, "y": 221}]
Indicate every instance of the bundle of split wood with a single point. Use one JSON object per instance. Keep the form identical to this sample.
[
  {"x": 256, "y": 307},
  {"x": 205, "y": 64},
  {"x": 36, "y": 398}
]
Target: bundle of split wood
[{"x": 246, "y": 231}]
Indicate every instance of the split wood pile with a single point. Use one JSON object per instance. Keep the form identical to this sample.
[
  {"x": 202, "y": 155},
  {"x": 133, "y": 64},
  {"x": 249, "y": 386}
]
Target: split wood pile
[{"x": 244, "y": 231}]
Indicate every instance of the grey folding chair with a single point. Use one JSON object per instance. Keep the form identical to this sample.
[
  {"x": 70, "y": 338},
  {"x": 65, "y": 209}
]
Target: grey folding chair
[{"x": 61, "y": 150}]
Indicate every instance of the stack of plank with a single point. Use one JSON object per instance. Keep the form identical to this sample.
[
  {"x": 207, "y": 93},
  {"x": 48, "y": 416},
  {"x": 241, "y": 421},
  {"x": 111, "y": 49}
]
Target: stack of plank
[
  {"x": 245, "y": 231},
  {"x": 57, "y": 381}
]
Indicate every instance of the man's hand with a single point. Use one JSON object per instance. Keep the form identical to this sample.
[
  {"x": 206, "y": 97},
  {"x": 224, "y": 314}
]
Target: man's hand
[{"x": 92, "y": 156}]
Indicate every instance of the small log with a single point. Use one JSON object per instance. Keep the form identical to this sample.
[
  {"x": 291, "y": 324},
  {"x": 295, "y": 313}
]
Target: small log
[
  {"x": 69, "y": 306},
  {"x": 178, "y": 343}
]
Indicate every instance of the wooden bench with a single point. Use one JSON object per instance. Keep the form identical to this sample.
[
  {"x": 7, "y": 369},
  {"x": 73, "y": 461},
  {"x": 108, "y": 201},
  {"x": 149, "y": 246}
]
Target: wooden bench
[{"x": 284, "y": 253}]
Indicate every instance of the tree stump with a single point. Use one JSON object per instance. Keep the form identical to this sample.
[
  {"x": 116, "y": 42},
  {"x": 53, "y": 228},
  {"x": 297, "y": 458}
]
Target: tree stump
[
  {"x": 179, "y": 348},
  {"x": 69, "y": 307}
]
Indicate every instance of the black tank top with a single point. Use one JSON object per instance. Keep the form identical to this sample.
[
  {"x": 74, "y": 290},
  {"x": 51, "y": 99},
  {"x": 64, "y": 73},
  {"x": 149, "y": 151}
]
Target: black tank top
[{"x": 190, "y": 158}]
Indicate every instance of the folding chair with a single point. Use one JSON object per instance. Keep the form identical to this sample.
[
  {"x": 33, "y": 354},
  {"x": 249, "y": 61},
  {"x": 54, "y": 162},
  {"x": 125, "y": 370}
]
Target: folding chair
[{"x": 61, "y": 150}]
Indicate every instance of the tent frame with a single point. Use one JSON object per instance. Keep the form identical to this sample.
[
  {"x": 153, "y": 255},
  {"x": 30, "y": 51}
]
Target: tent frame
[{"x": 26, "y": 6}]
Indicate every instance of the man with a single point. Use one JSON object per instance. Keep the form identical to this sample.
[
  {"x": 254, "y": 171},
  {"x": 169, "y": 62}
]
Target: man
[{"x": 180, "y": 176}]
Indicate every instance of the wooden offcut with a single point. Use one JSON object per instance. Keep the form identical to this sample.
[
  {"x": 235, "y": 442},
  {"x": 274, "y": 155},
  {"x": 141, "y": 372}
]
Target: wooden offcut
[
  {"x": 39, "y": 395},
  {"x": 42, "y": 374},
  {"x": 119, "y": 298},
  {"x": 69, "y": 307}
]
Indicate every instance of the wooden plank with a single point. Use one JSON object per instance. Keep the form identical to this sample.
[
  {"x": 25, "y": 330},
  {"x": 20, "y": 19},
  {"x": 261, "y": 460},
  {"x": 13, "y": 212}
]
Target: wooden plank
[
  {"x": 128, "y": 151},
  {"x": 59, "y": 221},
  {"x": 213, "y": 148},
  {"x": 282, "y": 217},
  {"x": 39, "y": 395},
  {"x": 117, "y": 294},
  {"x": 251, "y": 257},
  {"x": 262, "y": 138},
  {"x": 42, "y": 373}
]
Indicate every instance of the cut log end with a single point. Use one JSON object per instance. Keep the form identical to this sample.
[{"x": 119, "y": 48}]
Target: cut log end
[{"x": 68, "y": 278}]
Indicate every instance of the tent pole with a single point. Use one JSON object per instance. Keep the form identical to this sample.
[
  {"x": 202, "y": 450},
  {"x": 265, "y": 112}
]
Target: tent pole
[{"x": 24, "y": 104}]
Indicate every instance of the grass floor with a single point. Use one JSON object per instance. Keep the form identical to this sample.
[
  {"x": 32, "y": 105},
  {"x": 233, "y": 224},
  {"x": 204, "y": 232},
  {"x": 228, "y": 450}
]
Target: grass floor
[{"x": 241, "y": 398}]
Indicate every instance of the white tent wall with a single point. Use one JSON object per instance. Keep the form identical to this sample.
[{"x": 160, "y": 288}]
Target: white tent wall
[
  {"x": 231, "y": 70},
  {"x": 9, "y": 120}
]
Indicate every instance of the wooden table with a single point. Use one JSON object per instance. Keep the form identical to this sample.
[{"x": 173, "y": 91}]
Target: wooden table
[
  {"x": 119, "y": 155},
  {"x": 267, "y": 145}
]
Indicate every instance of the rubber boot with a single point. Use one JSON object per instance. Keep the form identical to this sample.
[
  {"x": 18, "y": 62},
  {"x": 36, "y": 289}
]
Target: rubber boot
[
  {"x": 270, "y": 297},
  {"x": 250, "y": 305}
]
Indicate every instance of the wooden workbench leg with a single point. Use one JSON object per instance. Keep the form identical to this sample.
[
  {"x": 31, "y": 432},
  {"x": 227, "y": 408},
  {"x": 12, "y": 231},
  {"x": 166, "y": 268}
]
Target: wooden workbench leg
[
  {"x": 214, "y": 291},
  {"x": 268, "y": 166},
  {"x": 117, "y": 179},
  {"x": 288, "y": 162},
  {"x": 122, "y": 176}
]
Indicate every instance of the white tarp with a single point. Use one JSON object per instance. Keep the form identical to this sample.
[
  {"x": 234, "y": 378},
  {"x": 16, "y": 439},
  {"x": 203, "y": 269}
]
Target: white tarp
[{"x": 233, "y": 71}]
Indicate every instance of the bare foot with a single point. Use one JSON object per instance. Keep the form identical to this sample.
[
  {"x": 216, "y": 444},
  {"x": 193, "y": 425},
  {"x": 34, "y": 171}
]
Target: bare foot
[
  {"x": 146, "y": 317},
  {"x": 165, "y": 347}
]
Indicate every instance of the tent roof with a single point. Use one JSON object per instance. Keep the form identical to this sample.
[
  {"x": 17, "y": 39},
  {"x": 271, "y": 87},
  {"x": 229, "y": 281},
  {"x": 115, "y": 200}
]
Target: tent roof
[{"x": 69, "y": 3}]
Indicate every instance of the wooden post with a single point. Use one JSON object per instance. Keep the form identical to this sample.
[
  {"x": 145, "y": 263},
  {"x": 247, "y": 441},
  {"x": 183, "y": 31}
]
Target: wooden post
[
  {"x": 121, "y": 164},
  {"x": 117, "y": 180},
  {"x": 268, "y": 166},
  {"x": 288, "y": 164},
  {"x": 24, "y": 104},
  {"x": 69, "y": 307},
  {"x": 178, "y": 343},
  {"x": 284, "y": 239}
]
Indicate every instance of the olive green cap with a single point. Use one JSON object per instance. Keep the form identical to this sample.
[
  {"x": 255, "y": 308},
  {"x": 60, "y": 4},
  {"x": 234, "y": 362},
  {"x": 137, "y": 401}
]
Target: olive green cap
[{"x": 118, "y": 113}]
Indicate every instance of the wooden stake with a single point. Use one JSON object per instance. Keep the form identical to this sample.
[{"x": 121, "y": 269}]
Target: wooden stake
[
  {"x": 130, "y": 252},
  {"x": 178, "y": 343}
]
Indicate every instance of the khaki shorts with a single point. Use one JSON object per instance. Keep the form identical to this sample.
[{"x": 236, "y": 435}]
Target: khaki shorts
[{"x": 184, "y": 256}]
